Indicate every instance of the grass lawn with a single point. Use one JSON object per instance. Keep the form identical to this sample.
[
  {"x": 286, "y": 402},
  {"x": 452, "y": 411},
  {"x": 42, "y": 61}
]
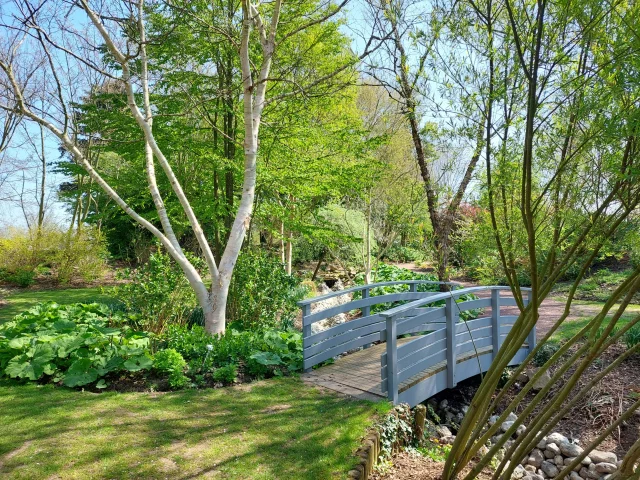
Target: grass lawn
[
  {"x": 277, "y": 429},
  {"x": 568, "y": 329},
  {"x": 21, "y": 301}
]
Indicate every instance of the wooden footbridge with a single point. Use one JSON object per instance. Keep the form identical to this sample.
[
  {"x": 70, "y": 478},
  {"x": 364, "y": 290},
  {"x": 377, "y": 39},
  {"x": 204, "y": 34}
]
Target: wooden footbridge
[{"x": 409, "y": 352}]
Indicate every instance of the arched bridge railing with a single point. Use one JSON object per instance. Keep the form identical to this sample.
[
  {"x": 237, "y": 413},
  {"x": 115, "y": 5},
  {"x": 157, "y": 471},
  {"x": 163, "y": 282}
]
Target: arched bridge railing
[
  {"x": 321, "y": 346},
  {"x": 442, "y": 351}
]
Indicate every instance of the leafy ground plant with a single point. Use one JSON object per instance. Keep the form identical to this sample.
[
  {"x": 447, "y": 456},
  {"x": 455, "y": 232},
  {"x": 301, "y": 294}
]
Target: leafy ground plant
[{"x": 74, "y": 344}]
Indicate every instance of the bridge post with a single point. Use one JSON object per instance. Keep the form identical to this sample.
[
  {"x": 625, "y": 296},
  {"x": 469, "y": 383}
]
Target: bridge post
[
  {"x": 531, "y": 338},
  {"x": 451, "y": 313},
  {"x": 392, "y": 359},
  {"x": 495, "y": 321},
  {"x": 366, "y": 311},
  {"x": 413, "y": 287},
  {"x": 306, "y": 330}
]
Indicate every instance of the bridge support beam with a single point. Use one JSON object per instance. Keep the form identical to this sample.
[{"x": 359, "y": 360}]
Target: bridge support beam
[
  {"x": 392, "y": 359},
  {"x": 495, "y": 321},
  {"x": 451, "y": 313}
]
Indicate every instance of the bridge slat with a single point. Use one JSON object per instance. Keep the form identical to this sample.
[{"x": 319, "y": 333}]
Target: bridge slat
[
  {"x": 343, "y": 338},
  {"x": 363, "y": 302},
  {"x": 344, "y": 347},
  {"x": 422, "y": 365},
  {"x": 431, "y": 315},
  {"x": 477, "y": 344},
  {"x": 477, "y": 333},
  {"x": 340, "y": 329},
  {"x": 418, "y": 343},
  {"x": 473, "y": 324},
  {"x": 437, "y": 343},
  {"x": 473, "y": 304}
]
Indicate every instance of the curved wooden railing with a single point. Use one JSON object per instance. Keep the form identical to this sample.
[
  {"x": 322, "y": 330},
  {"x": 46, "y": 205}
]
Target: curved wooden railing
[
  {"x": 446, "y": 350},
  {"x": 356, "y": 333}
]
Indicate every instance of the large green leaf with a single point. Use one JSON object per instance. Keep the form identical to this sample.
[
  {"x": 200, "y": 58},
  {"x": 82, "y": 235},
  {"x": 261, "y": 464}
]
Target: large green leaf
[
  {"x": 267, "y": 358},
  {"x": 33, "y": 364},
  {"x": 81, "y": 372},
  {"x": 139, "y": 362}
]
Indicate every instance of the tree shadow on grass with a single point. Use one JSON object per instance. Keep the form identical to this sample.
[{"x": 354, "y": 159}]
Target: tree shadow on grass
[{"x": 274, "y": 429}]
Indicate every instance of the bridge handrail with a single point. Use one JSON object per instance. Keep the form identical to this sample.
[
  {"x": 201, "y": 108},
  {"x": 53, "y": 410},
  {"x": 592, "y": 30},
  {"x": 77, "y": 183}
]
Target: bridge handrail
[
  {"x": 369, "y": 286},
  {"x": 400, "y": 309}
]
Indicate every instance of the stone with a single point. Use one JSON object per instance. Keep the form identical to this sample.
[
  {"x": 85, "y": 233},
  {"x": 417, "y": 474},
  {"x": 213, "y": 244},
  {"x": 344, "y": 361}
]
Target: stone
[
  {"x": 542, "y": 444},
  {"x": 520, "y": 430},
  {"x": 584, "y": 473},
  {"x": 443, "y": 431},
  {"x": 619, "y": 463},
  {"x": 559, "y": 461},
  {"x": 536, "y": 458},
  {"x": 569, "y": 449},
  {"x": 534, "y": 476},
  {"x": 493, "y": 419},
  {"x": 589, "y": 472},
  {"x": 553, "y": 448},
  {"x": 568, "y": 460},
  {"x": 506, "y": 426},
  {"x": 603, "y": 457},
  {"x": 512, "y": 417},
  {"x": 448, "y": 440},
  {"x": 444, "y": 404},
  {"x": 605, "y": 467},
  {"x": 541, "y": 382},
  {"x": 575, "y": 476},
  {"x": 522, "y": 378},
  {"x": 549, "y": 454},
  {"x": 549, "y": 469},
  {"x": 530, "y": 468},
  {"x": 518, "y": 472},
  {"x": 586, "y": 461},
  {"x": 557, "y": 438}
]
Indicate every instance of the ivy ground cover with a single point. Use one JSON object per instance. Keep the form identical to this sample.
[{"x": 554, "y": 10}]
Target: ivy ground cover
[{"x": 275, "y": 429}]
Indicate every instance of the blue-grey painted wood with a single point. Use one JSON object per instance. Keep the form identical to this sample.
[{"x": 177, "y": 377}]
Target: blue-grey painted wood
[
  {"x": 508, "y": 302},
  {"x": 477, "y": 333},
  {"x": 306, "y": 329},
  {"x": 430, "y": 316},
  {"x": 495, "y": 320},
  {"x": 418, "y": 343},
  {"x": 451, "y": 313},
  {"x": 508, "y": 319},
  {"x": 473, "y": 324},
  {"x": 473, "y": 304},
  {"x": 319, "y": 298},
  {"x": 340, "y": 329},
  {"x": 342, "y": 348},
  {"x": 434, "y": 347},
  {"x": 342, "y": 339},
  {"x": 392, "y": 360},
  {"x": 426, "y": 363},
  {"x": 357, "y": 304},
  {"x": 477, "y": 344}
]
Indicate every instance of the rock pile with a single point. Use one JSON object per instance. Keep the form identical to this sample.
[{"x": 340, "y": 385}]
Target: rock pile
[
  {"x": 550, "y": 456},
  {"x": 329, "y": 303},
  {"x": 556, "y": 451}
]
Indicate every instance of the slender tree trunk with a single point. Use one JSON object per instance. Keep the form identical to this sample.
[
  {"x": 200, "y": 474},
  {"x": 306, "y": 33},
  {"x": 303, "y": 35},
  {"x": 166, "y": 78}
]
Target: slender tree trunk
[{"x": 289, "y": 252}]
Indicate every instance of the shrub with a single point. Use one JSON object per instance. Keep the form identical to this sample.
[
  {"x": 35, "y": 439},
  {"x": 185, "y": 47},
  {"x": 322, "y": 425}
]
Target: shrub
[
  {"x": 391, "y": 273},
  {"x": 543, "y": 355},
  {"x": 226, "y": 374},
  {"x": 632, "y": 337},
  {"x": 178, "y": 380},
  {"x": 169, "y": 360},
  {"x": 261, "y": 294},
  {"x": 65, "y": 255},
  {"x": 262, "y": 353},
  {"x": 398, "y": 253},
  {"x": 74, "y": 344},
  {"x": 158, "y": 292}
]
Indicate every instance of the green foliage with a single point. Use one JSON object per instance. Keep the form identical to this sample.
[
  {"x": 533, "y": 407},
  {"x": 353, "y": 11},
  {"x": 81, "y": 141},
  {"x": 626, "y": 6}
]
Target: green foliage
[
  {"x": 435, "y": 451},
  {"x": 169, "y": 360},
  {"x": 632, "y": 336},
  {"x": 59, "y": 255},
  {"x": 398, "y": 253},
  {"x": 261, "y": 293},
  {"x": 226, "y": 374},
  {"x": 261, "y": 353},
  {"x": 391, "y": 273},
  {"x": 75, "y": 344},
  {"x": 545, "y": 353},
  {"x": 157, "y": 292}
]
